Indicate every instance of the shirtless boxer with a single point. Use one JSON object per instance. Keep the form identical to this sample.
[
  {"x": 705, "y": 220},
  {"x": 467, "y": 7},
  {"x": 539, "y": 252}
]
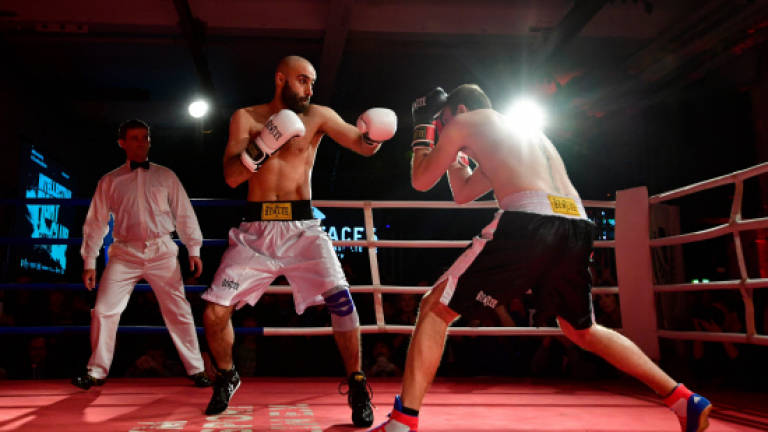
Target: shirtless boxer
[
  {"x": 279, "y": 235},
  {"x": 539, "y": 239}
]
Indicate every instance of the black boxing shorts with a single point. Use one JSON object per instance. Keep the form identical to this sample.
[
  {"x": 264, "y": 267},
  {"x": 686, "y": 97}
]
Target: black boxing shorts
[{"x": 538, "y": 249}]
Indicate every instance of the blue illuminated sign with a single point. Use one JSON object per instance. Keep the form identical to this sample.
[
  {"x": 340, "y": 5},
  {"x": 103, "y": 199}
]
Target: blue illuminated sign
[
  {"x": 343, "y": 233},
  {"x": 347, "y": 233},
  {"x": 45, "y": 220}
]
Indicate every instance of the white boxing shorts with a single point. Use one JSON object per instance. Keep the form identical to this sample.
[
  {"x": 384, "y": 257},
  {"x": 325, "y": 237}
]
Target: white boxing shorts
[{"x": 262, "y": 250}]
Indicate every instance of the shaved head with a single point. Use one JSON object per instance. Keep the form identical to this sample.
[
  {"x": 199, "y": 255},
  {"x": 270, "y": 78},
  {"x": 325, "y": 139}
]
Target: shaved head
[{"x": 292, "y": 62}]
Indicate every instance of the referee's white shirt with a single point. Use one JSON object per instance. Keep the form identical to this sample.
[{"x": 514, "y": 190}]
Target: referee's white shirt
[{"x": 146, "y": 204}]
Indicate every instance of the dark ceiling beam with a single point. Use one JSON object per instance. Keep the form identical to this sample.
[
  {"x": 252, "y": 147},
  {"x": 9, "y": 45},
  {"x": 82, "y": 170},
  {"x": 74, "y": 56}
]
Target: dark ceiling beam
[
  {"x": 336, "y": 31},
  {"x": 566, "y": 30},
  {"x": 684, "y": 54},
  {"x": 193, "y": 30}
]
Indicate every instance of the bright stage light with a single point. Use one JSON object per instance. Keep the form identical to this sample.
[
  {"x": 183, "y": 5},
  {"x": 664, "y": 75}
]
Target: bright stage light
[
  {"x": 198, "y": 108},
  {"x": 526, "y": 116}
]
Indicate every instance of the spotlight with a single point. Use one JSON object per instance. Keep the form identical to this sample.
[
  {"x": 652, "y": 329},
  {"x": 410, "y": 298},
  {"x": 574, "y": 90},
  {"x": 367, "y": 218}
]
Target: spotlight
[
  {"x": 198, "y": 108},
  {"x": 526, "y": 116}
]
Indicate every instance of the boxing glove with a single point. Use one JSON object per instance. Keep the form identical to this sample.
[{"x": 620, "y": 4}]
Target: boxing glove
[
  {"x": 423, "y": 111},
  {"x": 279, "y": 128},
  {"x": 377, "y": 125}
]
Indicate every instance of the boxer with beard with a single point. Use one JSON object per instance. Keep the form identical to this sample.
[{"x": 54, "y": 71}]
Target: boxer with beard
[{"x": 279, "y": 235}]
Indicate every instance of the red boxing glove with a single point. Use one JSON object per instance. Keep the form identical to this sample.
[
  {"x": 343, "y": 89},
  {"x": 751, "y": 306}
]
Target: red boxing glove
[{"x": 462, "y": 159}]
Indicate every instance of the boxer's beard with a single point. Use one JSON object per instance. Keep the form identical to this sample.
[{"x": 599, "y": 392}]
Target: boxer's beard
[{"x": 292, "y": 100}]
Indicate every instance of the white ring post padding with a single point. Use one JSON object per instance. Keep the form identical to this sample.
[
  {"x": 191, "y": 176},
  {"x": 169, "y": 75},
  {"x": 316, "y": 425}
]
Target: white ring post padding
[{"x": 634, "y": 270}]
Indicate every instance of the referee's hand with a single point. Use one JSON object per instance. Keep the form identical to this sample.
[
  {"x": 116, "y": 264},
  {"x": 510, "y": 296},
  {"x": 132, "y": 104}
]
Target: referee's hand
[{"x": 89, "y": 278}]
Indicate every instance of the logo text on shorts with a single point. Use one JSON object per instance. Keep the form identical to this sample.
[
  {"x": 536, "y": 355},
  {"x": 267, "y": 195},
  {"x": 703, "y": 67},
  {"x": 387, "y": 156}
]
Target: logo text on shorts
[
  {"x": 486, "y": 300},
  {"x": 563, "y": 205},
  {"x": 230, "y": 284}
]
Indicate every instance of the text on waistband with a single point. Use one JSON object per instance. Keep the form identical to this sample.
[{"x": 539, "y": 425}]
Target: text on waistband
[
  {"x": 276, "y": 211},
  {"x": 563, "y": 205}
]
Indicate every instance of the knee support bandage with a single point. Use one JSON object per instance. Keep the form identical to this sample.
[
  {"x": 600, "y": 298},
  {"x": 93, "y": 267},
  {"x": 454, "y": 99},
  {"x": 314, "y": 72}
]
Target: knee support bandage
[{"x": 343, "y": 314}]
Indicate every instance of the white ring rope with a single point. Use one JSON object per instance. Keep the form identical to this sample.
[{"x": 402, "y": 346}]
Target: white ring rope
[
  {"x": 734, "y": 227},
  {"x": 377, "y": 289}
]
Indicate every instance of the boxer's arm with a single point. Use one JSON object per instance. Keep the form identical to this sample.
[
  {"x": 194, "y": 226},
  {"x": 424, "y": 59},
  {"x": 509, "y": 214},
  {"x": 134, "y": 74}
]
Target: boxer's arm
[
  {"x": 347, "y": 135},
  {"x": 239, "y": 135},
  {"x": 429, "y": 164},
  {"x": 467, "y": 184}
]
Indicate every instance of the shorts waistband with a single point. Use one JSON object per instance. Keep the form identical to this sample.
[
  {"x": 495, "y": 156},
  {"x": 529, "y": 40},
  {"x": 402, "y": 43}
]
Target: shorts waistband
[
  {"x": 543, "y": 203},
  {"x": 277, "y": 211}
]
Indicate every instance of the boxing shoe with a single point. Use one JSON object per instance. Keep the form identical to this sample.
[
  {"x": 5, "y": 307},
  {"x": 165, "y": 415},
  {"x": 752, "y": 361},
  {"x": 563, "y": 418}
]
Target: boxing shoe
[
  {"x": 201, "y": 379},
  {"x": 359, "y": 399},
  {"x": 692, "y": 409},
  {"x": 226, "y": 384},
  {"x": 86, "y": 381},
  {"x": 398, "y": 420},
  {"x": 697, "y": 414}
]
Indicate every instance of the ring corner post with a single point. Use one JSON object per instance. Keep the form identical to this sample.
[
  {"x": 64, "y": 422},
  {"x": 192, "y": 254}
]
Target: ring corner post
[{"x": 634, "y": 270}]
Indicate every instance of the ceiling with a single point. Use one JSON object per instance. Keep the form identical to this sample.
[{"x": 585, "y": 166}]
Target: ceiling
[
  {"x": 142, "y": 44},
  {"x": 592, "y": 59}
]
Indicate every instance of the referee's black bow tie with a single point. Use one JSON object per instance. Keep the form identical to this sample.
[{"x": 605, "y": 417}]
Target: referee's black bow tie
[{"x": 135, "y": 165}]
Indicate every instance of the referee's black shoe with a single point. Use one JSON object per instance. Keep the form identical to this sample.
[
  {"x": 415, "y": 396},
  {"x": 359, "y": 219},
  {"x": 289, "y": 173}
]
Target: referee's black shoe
[
  {"x": 201, "y": 379},
  {"x": 86, "y": 381}
]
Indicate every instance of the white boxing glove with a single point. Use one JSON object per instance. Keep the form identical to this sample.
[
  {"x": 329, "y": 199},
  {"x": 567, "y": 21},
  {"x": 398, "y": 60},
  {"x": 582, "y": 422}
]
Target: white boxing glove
[
  {"x": 377, "y": 125},
  {"x": 279, "y": 128}
]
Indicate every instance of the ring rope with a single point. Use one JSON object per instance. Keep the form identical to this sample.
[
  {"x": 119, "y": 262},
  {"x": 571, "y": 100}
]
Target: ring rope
[{"x": 734, "y": 227}]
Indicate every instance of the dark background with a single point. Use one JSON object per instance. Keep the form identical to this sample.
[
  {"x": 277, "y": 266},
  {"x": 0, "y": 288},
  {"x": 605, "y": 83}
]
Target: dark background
[
  {"x": 638, "y": 93},
  {"x": 660, "y": 99}
]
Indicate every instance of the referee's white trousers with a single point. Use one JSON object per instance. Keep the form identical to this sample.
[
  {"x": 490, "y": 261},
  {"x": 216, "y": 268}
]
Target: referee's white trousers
[{"x": 156, "y": 261}]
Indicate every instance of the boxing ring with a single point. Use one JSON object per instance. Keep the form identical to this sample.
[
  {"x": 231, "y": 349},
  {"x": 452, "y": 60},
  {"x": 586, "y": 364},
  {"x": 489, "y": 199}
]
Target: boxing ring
[
  {"x": 502, "y": 404},
  {"x": 735, "y": 226}
]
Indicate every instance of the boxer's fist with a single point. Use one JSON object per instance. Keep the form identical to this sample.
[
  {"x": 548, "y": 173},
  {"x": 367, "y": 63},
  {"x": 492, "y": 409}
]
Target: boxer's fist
[
  {"x": 377, "y": 125},
  {"x": 425, "y": 108},
  {"x": 278, "y": 129},
  {"x": 423, "y": 111}
]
